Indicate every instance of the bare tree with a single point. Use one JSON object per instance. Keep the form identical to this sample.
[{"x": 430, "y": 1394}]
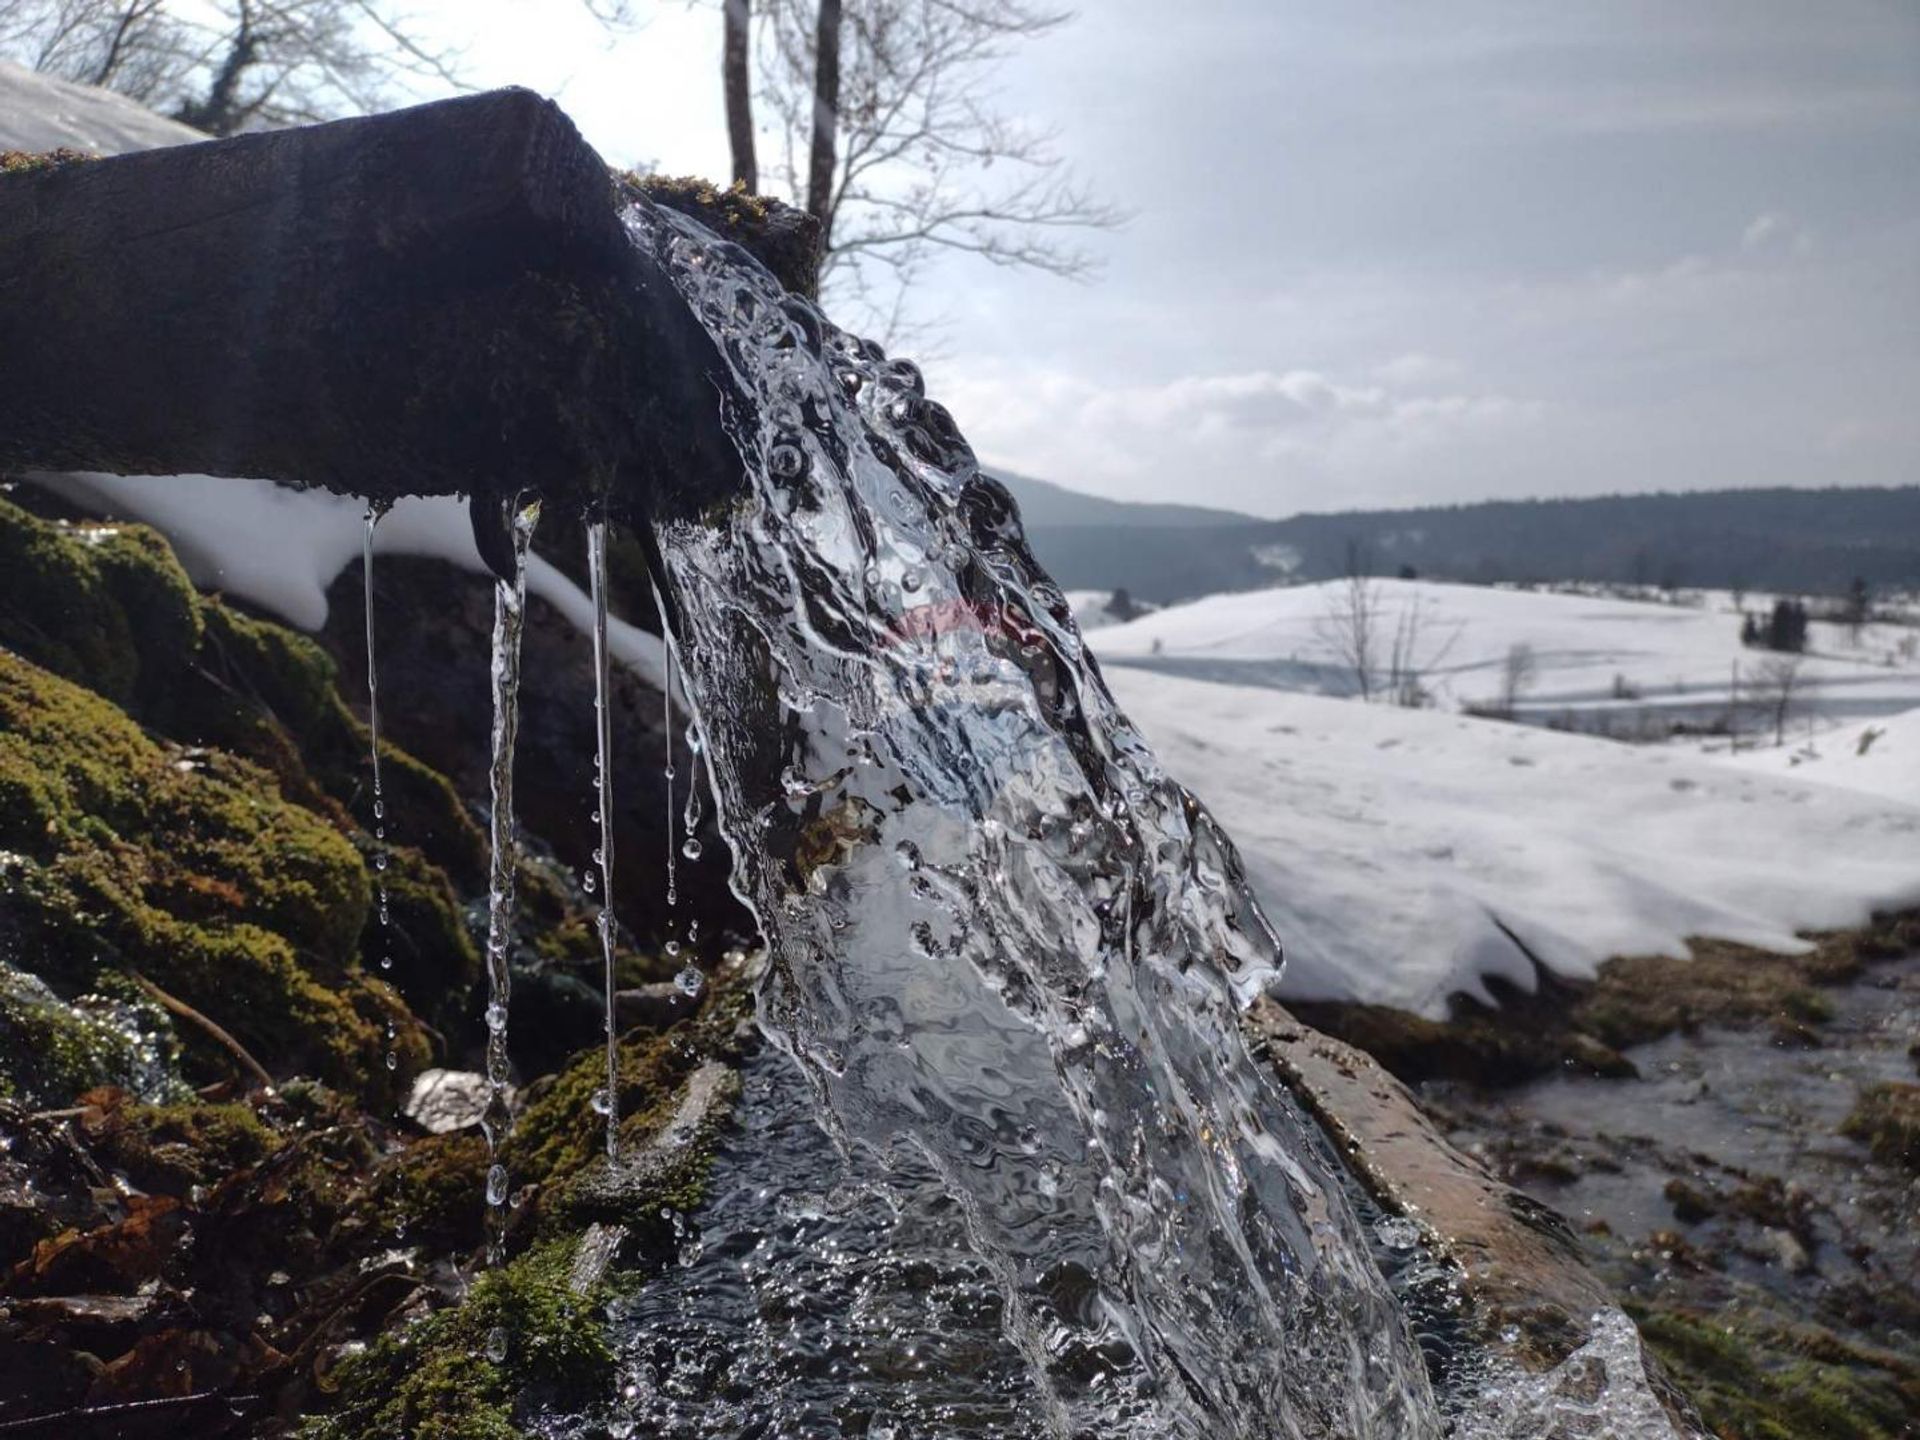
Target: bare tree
[
  {"x": 1350, "y": 626},
  {"x": 1777, "y": 684},
  {"x": 1413, "y": 654},
  {"x": 924, "y": 165},
  {"x": 1386, "y": 660},
  {"x": 228, "y": 65},
  {"x": 1517, "y": 674}
]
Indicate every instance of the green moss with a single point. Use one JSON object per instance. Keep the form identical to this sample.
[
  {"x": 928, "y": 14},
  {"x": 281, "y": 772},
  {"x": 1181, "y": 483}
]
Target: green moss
[
  {"x": 785, "y": 240},
  {"x": 1887, "y": 1118},
  {"x": 57, "y": 607},
  {"x": 51, "y": 1050},
  {"x": 559, "y": 1133},
  {"x": 431, "y": 1193},
  {"x": 22, "y": 162},
  {"x": 434, "y": 961},
  {"x": 521, "y": 1340},
  {"x": 115, "y": 863},
  {"x": 191, "y": 870},
  {"x": 168, "y": 1149},
  {"x": 1753, "y": 1381}
]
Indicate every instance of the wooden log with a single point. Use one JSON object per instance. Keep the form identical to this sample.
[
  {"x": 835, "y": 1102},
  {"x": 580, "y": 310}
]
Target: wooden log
[{"x": 438, "y": 300}]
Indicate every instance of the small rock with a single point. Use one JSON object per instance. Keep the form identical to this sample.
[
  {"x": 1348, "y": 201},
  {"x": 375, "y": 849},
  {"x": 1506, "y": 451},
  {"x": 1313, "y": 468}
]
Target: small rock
[
  {"x": 447, "y": 1100},
  {"x": 1792, "y": 1255}
]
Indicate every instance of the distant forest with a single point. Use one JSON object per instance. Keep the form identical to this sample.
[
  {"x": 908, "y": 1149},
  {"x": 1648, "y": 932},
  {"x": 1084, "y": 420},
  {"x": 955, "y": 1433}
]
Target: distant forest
[{"x": 1815, "y": 542}]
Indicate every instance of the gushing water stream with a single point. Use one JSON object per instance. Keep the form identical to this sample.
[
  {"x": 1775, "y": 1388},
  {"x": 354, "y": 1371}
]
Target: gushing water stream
[
  {"x": 509, "y": 618},
  {"x": 1004, "y": 945}
]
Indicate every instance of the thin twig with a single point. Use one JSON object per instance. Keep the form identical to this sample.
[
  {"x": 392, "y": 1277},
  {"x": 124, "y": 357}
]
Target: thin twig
[{"x": 186, "y": 1012}]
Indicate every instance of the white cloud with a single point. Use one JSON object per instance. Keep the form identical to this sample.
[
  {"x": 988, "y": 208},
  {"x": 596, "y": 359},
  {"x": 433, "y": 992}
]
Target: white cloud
[{"x": 1231, "y": 433}]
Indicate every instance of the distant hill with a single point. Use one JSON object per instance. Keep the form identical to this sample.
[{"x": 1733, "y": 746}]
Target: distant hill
[
  {"x": 1816, "y": 541},
  {"x": 1045, "y": 504}
]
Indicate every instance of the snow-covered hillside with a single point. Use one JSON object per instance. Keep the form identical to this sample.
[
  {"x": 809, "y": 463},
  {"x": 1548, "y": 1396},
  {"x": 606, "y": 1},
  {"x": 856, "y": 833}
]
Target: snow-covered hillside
[
  {"x": 1405, "y": 854},
  {"x": 38, "y": 113},
  {"x": 1878, "y": 757},
  {"x": 1621, "y": 666}
]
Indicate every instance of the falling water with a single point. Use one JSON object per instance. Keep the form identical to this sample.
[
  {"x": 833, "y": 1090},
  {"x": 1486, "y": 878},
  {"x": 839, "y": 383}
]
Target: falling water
[
  {"x": 509, "y": 616},
  {"x": 1004, "y": 944},
  {"x": 603, "y": 811},
  {"x": 383, "y": 910}
]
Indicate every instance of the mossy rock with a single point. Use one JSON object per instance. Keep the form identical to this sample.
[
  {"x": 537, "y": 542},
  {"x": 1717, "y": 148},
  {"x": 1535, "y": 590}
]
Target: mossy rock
[
  {"x": 169, "y": 1149},
  {"x": 520, "y": 1342},
  {"x": 109, "y": 607},
  {"x": 21, "y": 162},
  {"x": 190, "y": 869},
  {"x": 785, "y": 240},
  {"x": 53, "y": 1049},
  {"x": 1753, "y": 1380},
  {"x": 1887, "y": 1118}
]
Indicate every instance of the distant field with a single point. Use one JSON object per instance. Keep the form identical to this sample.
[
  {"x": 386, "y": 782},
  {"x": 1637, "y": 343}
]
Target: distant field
[
  {"x": 1404, "y": 854},
  {"x": 1632, "y": 669}
]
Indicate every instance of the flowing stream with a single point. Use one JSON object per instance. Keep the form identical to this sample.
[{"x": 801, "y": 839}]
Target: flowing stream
[{"x": 1006, "y": 949}]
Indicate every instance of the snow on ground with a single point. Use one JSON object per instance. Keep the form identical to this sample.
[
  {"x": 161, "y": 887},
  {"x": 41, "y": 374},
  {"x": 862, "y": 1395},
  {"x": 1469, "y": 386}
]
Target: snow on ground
[
  {"x": 1623, "y": 666},
  {"x": 38, "y": 112},
  {"x": 280, "y": 549},
  {"x": 1878, "y": 757},
  {"x": 1405, "y": 854}
]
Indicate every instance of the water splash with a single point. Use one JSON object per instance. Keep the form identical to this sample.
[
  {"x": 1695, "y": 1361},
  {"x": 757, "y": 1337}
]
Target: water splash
[
  {"x": 509, "y": 618},
  {"x": 1004, "y": 943},
  {"x": 603, "y": 782}
]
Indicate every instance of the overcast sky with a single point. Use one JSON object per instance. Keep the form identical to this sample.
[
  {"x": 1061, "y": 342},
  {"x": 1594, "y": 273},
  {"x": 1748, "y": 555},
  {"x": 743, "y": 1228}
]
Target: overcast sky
[{"x": 1387, "y": 252}]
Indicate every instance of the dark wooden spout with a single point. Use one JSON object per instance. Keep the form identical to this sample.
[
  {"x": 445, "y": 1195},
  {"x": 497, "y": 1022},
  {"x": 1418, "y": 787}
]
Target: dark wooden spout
[{"x": 439, "y": 300}]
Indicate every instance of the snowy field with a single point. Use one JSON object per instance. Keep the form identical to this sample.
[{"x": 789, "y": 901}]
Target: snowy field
[
  {"x": 1628, "y": 668},
  {"x": 1405, "y": 854}
]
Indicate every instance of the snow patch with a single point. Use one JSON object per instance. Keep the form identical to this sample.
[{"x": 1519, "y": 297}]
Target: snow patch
[
  {"x": 1404, "y": 855},
  {"x": 280, "y": 549}
]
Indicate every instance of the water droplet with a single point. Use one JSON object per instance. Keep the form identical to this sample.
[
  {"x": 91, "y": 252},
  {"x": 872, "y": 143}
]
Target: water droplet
[
  {"x": 692, "y": 848},
  {"x": 393, "y": 1060},
  {"x": 601, "y": 1104},
  {"x": 672, "y": 947},
  {"x": 497, "y": 1185},
  {"x": 497, "y": 1344},
  {"x": 910, "y": 580},
  {"x": 496, "y": 1017},
  {"x": 690, "y": 981},
  {"x": 588, "y": 882},
  {"x": 1396, "y": 1232},
  {"x": 786, "y": 462}
]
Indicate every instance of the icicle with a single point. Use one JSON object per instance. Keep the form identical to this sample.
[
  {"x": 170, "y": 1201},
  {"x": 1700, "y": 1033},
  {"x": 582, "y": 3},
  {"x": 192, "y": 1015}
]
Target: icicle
[
  {"x": 509, "y": 616},
  {"x": 603, "y": 780}
]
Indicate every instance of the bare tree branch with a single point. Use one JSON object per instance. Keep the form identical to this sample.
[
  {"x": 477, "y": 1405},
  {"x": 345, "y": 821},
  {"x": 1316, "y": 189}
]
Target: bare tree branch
[{"x": 228, "y": 65}]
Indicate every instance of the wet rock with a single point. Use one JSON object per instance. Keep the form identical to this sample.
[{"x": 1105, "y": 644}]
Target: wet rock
[
  {"x": 447, "y": 1100},
  {"x": 436, "y": 625},
  {"x": 1519, "y": 1263},
  {"x": 1789, "y": 1252}
]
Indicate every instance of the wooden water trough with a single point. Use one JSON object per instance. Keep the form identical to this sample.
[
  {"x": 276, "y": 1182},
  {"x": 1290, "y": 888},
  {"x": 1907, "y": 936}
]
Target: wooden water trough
[{"x": 440, "y": 300}]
